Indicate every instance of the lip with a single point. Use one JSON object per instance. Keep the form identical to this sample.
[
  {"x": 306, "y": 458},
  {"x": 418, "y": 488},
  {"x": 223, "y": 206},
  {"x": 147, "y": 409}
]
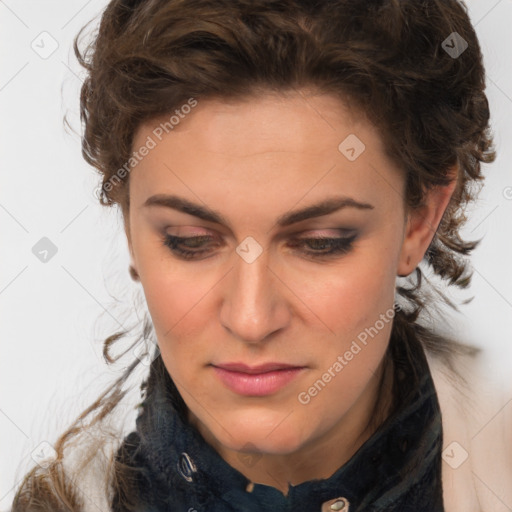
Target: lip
[
  {"x": 258, "y": 380},
  {"x": 261, "y": 368}
]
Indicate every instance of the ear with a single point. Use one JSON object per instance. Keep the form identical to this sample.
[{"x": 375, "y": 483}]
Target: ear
[
  {"x": 422, "y": 224},
  {"x": 126, "y": 225},
  {"x": 132, "y": 267}
]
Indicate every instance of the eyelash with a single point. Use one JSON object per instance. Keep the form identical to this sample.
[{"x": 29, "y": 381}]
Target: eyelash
[{"x": 339, "y": 245}]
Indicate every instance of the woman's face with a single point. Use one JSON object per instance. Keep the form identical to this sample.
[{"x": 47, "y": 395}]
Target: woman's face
[{"x": 274, "y": 174}]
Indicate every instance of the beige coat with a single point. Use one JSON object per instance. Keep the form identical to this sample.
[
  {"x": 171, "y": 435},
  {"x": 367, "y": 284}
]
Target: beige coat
[{"x": 477, "y": 438}]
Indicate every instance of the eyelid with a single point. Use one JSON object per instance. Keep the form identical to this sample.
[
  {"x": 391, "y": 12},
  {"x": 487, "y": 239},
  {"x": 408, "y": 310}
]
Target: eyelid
[
  {"x": 201, "y": 231},
  {"x": 328, "y": 232},
  {"x": 339, "y": 246},
  {"x": 182, "y": 231},
  {"x": 315, "y": 234}
]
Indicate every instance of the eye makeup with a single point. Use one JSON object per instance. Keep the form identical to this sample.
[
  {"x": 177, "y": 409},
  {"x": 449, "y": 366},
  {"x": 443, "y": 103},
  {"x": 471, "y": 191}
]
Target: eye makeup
[{"x": 196, "y": 247}]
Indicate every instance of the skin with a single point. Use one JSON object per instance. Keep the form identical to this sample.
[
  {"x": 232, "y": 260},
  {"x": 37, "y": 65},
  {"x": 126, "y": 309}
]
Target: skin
[{"x": 253, "y": 161}]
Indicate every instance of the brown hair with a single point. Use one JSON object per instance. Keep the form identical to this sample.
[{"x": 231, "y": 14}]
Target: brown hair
[{"x": 390, "y": 60}]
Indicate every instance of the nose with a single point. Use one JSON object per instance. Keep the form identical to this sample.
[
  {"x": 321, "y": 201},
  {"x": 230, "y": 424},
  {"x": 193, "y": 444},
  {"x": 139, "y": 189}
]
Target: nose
[{"x": 254, "y": 302}]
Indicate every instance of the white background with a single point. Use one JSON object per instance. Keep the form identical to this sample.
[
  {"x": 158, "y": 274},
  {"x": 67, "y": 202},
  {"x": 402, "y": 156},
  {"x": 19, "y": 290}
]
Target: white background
[{"x": 55, "y": 315}]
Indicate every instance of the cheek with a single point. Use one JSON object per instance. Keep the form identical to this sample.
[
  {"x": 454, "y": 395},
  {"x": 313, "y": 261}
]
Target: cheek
[
  {"x": 175, "y": 292},
  {"x": 176, "y": 311},
  {"x": 173, "y": 295},
  {"x": 357, "y": 292},
  {"x": 177, "y": 307},
  {"x": 358, "y": 308}
]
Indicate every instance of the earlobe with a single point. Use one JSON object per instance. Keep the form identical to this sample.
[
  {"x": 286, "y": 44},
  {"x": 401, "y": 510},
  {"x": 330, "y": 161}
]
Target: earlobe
[
  {"x": 407, "y": 265},
  {"x": 131, "y": 269},
  {"x": 422, "y": 224},
  {"x": 133, "y": 273}
]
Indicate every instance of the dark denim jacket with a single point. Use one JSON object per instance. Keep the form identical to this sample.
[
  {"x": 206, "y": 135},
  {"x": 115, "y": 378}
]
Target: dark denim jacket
[{"x": 397, "y": 469}]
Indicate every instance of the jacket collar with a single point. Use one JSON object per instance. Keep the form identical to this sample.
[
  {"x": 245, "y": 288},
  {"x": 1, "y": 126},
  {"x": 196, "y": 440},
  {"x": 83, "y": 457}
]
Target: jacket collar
[{"x": 397, "y": 468}]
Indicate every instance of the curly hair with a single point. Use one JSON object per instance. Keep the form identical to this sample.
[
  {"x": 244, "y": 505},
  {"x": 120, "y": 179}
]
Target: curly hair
[{"x": 412, "y": 68}]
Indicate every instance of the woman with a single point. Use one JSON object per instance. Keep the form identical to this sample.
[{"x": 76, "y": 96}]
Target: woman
[{"x": 277, "y": 166}]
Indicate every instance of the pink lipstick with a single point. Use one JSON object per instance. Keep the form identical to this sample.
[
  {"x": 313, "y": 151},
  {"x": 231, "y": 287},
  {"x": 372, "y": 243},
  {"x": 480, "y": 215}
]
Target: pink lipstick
[{"x": 258, "y": 380}]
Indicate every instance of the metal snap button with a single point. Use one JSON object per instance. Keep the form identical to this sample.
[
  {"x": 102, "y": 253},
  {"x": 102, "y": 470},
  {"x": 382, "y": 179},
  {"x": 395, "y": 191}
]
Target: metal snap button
[
  {"x": 186, "y": 467},
  {"x": 336, "y": 505}
]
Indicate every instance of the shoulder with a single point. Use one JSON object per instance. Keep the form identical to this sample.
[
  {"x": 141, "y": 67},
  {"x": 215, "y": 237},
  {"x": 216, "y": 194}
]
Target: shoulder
[
  {"x": 76, "y": 478},
  {"x": 88, "y": 460},
  {"x": 88, "y": 466},
  {"x": 477, "y": 434}
]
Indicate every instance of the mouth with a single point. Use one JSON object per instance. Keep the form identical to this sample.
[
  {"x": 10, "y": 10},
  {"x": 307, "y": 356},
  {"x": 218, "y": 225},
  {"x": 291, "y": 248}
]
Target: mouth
[{"x": 261, "y": 380}]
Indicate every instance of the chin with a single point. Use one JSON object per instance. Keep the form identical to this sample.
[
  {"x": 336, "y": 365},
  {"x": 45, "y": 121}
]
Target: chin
[
  {"x": 278, "y": 445},
  {"x": 252, "y": 432}
]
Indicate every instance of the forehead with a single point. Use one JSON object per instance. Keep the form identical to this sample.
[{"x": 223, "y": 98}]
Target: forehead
[
  {"x": 263, "y": 144},
  {"x": 288, "y": 121}
]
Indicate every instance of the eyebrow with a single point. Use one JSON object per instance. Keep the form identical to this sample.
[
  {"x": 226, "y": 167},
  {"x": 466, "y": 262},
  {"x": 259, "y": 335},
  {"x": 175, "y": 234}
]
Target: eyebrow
[{"x": 324, "y": 207}]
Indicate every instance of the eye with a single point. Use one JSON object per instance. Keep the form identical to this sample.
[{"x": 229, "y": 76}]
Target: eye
[
  {"x": 194, "y": 247},
  {"x": 324, "y": 246},
  {"x": 189, "y": 251}
]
